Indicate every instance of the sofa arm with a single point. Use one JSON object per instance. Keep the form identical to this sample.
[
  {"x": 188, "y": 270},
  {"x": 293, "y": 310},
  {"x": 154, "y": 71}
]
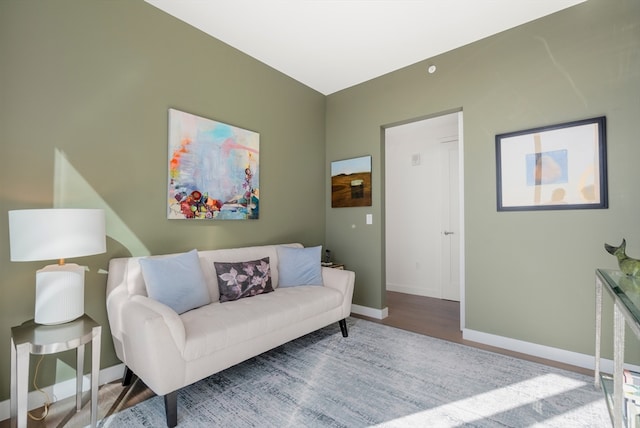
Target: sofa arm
[
  {"x": 149, "y": 308},
  {"x": 343, "y": 281},
  {"x": 153, "y": 342}
]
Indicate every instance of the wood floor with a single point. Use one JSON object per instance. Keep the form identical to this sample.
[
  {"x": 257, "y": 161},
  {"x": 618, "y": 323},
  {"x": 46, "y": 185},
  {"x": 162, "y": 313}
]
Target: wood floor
[{"x": 424, "y": 315}]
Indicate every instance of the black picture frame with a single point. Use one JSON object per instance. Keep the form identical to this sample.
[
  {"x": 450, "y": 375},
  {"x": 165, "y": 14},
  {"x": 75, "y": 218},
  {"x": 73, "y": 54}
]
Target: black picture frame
[{"x": 557, "y": 167}]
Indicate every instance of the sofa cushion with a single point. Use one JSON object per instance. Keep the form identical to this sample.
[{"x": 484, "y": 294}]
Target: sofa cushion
[
  {"x": 299, "y": 266},
  {"x": 243, "y": 279},
  {"x": 176, "y": 281},
  {"x": 249, "y": 319}
]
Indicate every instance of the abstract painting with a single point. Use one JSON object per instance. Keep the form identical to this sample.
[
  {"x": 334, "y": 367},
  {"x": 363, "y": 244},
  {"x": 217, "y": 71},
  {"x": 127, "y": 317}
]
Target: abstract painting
[
  {"x": 351, "y": 182},
  {"x": 213, "y": 170},
  {"x": 558, "y": 167}
]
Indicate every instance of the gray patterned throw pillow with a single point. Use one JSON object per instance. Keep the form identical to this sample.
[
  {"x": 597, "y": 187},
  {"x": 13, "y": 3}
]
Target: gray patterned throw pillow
[{"x": 243, "y": 279}]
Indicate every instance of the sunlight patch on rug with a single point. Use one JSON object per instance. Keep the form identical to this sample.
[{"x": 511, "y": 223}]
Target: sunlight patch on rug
[{"x": 490, "y": 404}]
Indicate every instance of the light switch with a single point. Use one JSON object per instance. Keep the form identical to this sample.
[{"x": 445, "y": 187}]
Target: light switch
[{"x": 369, "y": 218}]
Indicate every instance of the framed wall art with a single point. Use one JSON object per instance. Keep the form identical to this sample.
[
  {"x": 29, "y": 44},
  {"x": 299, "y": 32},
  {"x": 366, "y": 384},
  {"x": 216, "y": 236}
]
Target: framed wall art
[
  {"x": 556, "y": 167},
  {"x": 213, "y": 170},
  {"x": 351, "y": 182}
]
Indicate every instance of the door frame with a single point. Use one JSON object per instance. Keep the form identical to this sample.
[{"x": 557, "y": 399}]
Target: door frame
[{"x": 459, "y": 112}]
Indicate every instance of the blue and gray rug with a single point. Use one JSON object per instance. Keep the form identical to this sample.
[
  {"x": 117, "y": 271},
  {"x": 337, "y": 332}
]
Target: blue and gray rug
[{"x": 380, "y": 376}]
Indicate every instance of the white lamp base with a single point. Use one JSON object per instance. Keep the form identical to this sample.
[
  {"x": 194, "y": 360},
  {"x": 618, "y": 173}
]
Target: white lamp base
[{"x": 59, "y": 293}]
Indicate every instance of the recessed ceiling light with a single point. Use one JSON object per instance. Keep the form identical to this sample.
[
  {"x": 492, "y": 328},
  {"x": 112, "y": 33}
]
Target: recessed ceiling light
[{"x": 431, "y": 69}]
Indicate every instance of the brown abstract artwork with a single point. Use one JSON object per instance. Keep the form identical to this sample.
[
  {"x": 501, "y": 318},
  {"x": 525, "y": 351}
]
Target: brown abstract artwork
[{"x": 351, "y": 182}]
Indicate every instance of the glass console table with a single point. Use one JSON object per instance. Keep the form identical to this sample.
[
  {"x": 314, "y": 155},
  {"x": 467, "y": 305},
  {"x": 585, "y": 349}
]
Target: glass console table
[{"x": 625, "y": 292}]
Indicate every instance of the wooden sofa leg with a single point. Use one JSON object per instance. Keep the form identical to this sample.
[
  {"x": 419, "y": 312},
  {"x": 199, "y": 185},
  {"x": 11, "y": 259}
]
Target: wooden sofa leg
[
  {"x": 171, "y": 408},
  {"x": 343, "y": 327},
  {"x": 127, "y": 376}
]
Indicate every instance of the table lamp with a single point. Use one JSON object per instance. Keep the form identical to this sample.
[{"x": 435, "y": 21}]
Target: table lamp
[{"x": 57, "y": 233}]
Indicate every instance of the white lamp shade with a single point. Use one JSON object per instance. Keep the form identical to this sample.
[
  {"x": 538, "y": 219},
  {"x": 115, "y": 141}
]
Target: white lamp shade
[{"x": 56, "y": 233}]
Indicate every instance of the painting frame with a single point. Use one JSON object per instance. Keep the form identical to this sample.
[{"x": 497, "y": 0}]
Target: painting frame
[
  {"x": 556, "y": 167},
  {"x": 351, "y": 182},
  {"x": 213, "y": 169}
]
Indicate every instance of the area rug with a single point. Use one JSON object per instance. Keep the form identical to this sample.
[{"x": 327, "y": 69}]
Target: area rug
[{"x": 380, "y": 376}]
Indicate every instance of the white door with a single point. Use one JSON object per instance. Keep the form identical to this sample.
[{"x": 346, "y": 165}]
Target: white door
[{"x": 450, "y": 222}]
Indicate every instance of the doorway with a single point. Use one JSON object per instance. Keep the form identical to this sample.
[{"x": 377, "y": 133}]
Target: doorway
[{"x": 423, "y": 208}]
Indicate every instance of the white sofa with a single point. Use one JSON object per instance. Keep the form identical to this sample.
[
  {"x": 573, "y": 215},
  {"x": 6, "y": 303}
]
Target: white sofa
[{"x": 168, "y": 351}]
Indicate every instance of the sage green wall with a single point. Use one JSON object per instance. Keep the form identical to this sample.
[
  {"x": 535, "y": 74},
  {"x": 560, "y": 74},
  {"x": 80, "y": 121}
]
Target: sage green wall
[
  {"x": 95, "y": 79},
  {"x": 529, "y": 275}
]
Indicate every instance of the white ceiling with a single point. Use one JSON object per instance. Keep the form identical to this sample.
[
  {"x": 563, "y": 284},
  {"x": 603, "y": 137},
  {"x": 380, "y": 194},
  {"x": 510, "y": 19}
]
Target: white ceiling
[{"x": 330, "y": 45}]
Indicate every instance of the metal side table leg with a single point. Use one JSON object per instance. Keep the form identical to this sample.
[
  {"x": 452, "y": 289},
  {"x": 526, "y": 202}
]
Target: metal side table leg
[
  {"x": 79, "y": 376},
  {"x": 14, "y": 391},
  {"x": 21, "y": 388},
  {"x": 95, "y": 373}
]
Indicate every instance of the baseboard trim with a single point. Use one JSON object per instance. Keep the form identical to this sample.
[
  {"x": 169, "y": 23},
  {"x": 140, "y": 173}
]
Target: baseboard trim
[
  {"x": 64, "y": 389},
  {"x": 378, "y": 314},
  {"x": 541, "y": 351}
]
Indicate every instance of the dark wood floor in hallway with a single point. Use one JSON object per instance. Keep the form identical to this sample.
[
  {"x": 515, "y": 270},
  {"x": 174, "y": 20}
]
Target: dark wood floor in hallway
[{"x": 425, "y": 315}]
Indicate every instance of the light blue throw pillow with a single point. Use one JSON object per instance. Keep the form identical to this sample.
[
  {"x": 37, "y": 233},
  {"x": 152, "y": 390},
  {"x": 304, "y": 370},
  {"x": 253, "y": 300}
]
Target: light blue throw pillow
[
  {"x": 176, "y": 281},
  {"x": 299, "y": 266}
]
